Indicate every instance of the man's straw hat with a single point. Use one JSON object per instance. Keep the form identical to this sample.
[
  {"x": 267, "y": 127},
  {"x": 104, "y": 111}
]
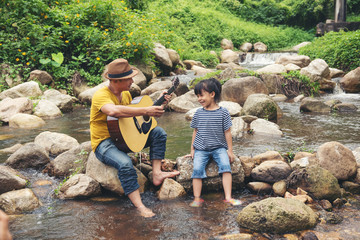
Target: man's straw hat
[{"x": 120, "y": 69}]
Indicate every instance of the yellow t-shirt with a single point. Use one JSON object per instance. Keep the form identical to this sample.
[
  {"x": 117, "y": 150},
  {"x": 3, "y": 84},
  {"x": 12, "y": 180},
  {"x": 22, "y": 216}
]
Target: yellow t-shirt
[{"x": 98, "y": 124}]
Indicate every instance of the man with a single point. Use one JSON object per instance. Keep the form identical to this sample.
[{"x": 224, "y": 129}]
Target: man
[{"x": 112, "y": 101}]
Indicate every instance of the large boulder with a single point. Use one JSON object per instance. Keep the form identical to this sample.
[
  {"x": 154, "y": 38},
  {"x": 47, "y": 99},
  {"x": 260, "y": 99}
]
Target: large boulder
[
  {"x": 18, "y": 201},
  {"x": 43, "y": 77},
  {"x": 213, "y": 181},
  {"x": 238, "y": 89},
  {"x": 28, "y": 89},
  {"x": 238, "y": 128},
  {"x": 62, "y": 101},
  {"x": 226, "y": 44},
  {"x": 229, "y": 56},
  {"x": 317, "y": 181},
  {"x": 299, "y": 60},
  {"x": 272, "y": 69},
  {"x": 260, "y": 105},
  {"x": 157, "y": 86},
  {"x": 277, "y": 215},
  {"x": 73, "y": 160},
  {"x": 80, "y": 186},
  {"x": 261, "y": 127},
  {"x": 170, "y": 189},
  {"x": 338, "y": 159},
  {"x": 47, "y": 110},
  {"x": 55, "y": 143},
  {"x": 29, "y": 155},
  {"x": 184, "y": 103},
  {"x": 23, "y": 120},
  {"x": 271, "y": 171},
  {"x": 351, "y": 81},
  {"x": 10, "y": 179},
  {"x": 260, "y": 47},
  {"x": 107, "y": 176},
  {"x": 9, "y": 107},
  {"x": 309, "y": 104}
]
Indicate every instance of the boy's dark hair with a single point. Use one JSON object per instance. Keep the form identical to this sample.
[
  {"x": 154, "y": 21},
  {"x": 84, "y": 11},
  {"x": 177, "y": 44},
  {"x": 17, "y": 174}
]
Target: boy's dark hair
[{"x": 209, "y": 85}]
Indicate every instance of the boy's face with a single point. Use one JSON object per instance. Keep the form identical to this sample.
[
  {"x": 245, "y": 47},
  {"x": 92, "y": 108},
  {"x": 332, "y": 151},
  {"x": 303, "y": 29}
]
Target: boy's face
[{"x": 206, "y": 99}]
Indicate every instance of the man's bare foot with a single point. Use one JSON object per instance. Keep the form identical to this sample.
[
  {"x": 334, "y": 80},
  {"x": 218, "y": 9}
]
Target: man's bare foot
[
  {"x": 159, "y": 178},
  {"x": 145, "y": 212}
]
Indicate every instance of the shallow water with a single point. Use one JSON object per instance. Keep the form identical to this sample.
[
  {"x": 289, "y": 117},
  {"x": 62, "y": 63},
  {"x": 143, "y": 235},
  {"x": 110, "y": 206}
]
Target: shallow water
[{"x": 113, "y": 217}]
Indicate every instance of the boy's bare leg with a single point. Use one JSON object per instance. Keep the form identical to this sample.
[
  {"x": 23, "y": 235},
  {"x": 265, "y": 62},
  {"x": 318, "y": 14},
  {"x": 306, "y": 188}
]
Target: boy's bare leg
[
  {"x": 136, "y": 200},
  {"x": 158, "y": 175},
  {"x": 197, "y": 186},
  {"x": 227, "y": 184}
]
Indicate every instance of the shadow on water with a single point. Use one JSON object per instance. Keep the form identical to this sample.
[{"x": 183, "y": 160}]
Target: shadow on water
[{"x": 113, "y": 217}]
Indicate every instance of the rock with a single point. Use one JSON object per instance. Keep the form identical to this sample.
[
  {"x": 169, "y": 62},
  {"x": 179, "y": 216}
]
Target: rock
[
  {"x": 107, "y": 176},
  {"x": 229, "y": 56},
  {"x": 325, "y": 204},
  {"x": 161, "y": 85},
  {"x": 16, "y": 202},
  {"x": 335, "y": 73},
  {"x": 309, "y": 104},
  {"x": 345, "y": 107},
  {"x": 71, "y": 161},
  {"x": 43, "y": 77},
  {"x": 260, "y": 105},
  {"x": 299, "y": 60},
  {"x": 260, "y": 47},
  {"x": 233, "y": 107},
  {"x": 162, "y": 57},
  {"x": 238, "y": 89},
  {"x": 174, "y": 57},
  {"x": 271, "y": 82},
  {"x": 277, "y": 215},
  {"x": 55, "y": 143},
  {"x": 9, "y": 107},
  {"x": 351, "y": 187},
  {"x": 246, "y": 47},
  {"x": 190, "y": 114},
  {"x": 235, "y": 236},
  {"x": 86, "y": 96},
  {"x": 317, "y": 67},
  {"x": 300, "y": 45},
  {"x": 62, "y": 101},
  {"x": 27, "y": 89},
  {"x": 190, "y": 63},
  {"x": 200, "y": 71},
  {"x": 213, "y": 181},
  {"x": 351, "y": 81},
  {"x": 232, "y": 65},
  {"x": 10, "y": 179},
  {"x": 22, "y": 120},
  {"x": 12, "y": 149},
  {"x": 271, "y": 171},
  {"x": 261, "y": 127},
  {"x": 259, "y": 187},
  {"x": 272, "y": 68},
  {"x": 30, "y": 155},
  {"x": 47, "y": 110},
  {"x": 279, "y": 188},
  {"x": 226, "y": 44},
  {"x": 317, "y": 181},
  {"x": 184, "y": 103},
  {"x": 248, "y": 165},
  {"x": 299, "y": 98},
  {"x": 337, "y": 159},
  {"x": 238, "y": 127},
  {"x": 170, "y": 189},
  {"x": 80, "y": 186}
]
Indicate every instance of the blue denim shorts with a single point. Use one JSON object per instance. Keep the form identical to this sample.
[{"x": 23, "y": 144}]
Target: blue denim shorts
[
  {"x": 110, "y": 155},
  {"x": 201, "y": 159}
]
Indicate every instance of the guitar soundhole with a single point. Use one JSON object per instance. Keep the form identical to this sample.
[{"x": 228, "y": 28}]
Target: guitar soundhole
[{"x": 146, "y": 118}]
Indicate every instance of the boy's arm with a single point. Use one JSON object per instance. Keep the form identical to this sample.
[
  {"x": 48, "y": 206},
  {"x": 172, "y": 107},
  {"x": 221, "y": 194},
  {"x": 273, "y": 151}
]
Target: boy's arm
[
  {"x": 192, "y": 151},
  {"x": 228, "y": 138}
]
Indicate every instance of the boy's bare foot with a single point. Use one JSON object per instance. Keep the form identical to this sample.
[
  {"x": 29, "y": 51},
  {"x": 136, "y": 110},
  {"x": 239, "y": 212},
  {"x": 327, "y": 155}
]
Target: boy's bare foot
[
  {"x": 145, "y": 212},
  {"x": 159, "y": 178}
]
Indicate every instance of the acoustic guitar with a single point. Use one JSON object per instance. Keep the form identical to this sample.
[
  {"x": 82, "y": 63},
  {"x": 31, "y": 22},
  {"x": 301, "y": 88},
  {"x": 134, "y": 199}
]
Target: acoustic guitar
[{"x": 131, "y": 133}]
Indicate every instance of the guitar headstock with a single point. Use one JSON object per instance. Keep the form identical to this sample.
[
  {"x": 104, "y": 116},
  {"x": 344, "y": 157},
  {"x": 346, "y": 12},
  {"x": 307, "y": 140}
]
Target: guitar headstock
[{"x": 175, "y": 81}]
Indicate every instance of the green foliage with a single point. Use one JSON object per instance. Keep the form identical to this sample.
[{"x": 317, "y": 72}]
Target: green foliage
[
  {"x": 339, "y": 49},
  {"x": 207, "y": 76},
  {"x": 307, "y": 86}
]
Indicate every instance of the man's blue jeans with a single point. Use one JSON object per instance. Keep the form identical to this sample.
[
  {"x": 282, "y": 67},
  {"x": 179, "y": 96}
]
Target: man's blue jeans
[{"x": 110, "y": 155}]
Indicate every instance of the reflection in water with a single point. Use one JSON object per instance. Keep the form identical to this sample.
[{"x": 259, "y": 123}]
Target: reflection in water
[{"x": 117, "y": 219}]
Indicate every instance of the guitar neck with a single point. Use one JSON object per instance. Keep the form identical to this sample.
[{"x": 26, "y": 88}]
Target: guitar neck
[{"x": 159, "y": 101}]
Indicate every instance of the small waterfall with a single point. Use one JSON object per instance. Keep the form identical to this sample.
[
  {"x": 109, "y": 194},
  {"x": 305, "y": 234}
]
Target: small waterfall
[
  {"x": 255, "y": 61},
  {"x": 337, "y": 90}
]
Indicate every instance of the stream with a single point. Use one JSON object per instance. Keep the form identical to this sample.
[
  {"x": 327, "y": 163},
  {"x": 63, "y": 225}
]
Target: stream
[{"x": 113, "y": 217}]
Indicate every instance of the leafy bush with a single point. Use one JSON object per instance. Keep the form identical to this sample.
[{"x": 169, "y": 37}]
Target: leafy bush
[{"x": 339, "y": 49}]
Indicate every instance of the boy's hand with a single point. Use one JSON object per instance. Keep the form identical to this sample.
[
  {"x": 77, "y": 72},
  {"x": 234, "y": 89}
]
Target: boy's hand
[{"x": 231, "y": 156}]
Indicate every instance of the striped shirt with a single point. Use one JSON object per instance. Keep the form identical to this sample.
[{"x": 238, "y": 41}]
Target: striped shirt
[{"x": 211, "y": 126}]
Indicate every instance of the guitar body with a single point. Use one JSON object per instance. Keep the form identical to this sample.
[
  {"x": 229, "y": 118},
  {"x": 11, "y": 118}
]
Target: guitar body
[{"x": 130, "y": 134}]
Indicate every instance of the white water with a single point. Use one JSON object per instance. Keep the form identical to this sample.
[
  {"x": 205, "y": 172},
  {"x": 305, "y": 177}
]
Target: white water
[{"x": 255, "y": 61}]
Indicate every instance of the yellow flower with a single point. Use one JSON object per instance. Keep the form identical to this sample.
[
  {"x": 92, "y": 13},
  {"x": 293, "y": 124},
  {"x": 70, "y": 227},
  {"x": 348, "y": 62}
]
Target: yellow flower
[
  {"x": 77, "y": 26},
  {"x": 61, "y": 37},
  {"x": 67, "y": 23},
  {"x": 135, "y": 50},
  {"x": 0, "y": 44},
  {"x": 28, "y": 63},
  {"x": 67, "y": 41},
  {"x": 106, "y": 29},
  {"x": 17, "y": 59},
  {"x": 66, "y": 16},
  {"x": 45, "y": 16},
  {"x": 105, "y": 33},
  {"x": 119, "y": 24},
  {"x": 98, "y": 58},
  {"x": 24, "y": 53},
  {"x": 130, "y": 34},
  {"x": 19, "y": 50},
  {"x": 57, "y": 2},
  {"x": 128, "y": 44},
  {"x": 78, "y": 15},
  {"x": 27, "y": 38},
  {"x": 125, "y": 8},
  {"x": 139, "y": 44},
  {"x": 134, "y": 43},
  {"x": 124, "y": 52}
]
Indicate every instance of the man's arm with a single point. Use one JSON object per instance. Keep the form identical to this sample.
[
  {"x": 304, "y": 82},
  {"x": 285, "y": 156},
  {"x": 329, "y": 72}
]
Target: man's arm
[{"x": 126, "y": 111}]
